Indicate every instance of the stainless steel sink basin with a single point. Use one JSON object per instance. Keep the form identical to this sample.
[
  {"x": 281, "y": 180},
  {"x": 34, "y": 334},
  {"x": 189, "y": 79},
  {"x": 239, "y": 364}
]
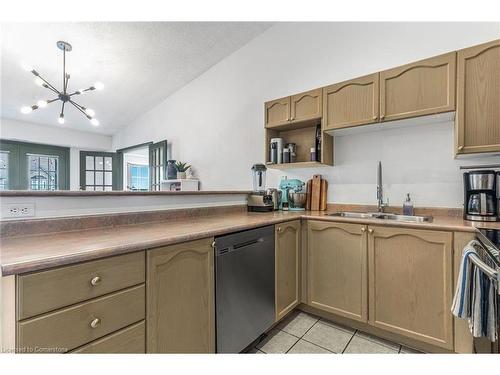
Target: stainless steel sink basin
[{"x": 384, "y": 216}]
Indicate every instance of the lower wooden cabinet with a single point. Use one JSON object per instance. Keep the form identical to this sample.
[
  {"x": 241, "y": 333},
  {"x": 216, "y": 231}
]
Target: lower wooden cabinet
[
  {"x": 411, "y": 284},
  {"x": 337, "y": 269},
  {"x": 130, "y": 340},
  {"x": 180, "y": 298},
  {"x": 287, "y": 261}
]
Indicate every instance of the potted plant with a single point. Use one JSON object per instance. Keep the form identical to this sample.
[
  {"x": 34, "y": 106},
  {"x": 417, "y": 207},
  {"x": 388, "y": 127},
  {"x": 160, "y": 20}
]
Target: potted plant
[{"x": 181, "y": 170}]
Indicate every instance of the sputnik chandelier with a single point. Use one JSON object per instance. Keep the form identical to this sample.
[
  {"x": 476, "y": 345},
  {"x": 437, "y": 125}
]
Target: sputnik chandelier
[{"x": 63, "y": 95}]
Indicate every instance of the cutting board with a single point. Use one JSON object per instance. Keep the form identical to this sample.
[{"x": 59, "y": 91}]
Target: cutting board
[
  {"x": 316, "y": 192},
  {"x": 308, "y": 191},
  {"x": 323, "y": 195}
]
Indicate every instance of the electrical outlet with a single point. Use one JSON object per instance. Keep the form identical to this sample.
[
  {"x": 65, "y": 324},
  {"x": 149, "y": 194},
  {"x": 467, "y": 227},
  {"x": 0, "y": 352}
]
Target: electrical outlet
[{"x": 18, "y": 210}]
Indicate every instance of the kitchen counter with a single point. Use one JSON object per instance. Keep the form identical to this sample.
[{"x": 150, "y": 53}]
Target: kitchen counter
[{"x": 23, "y": 254}]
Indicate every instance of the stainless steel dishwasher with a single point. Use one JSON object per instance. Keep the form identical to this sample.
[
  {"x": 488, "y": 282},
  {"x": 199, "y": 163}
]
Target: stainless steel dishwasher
[{"x": 244, "y": 282}]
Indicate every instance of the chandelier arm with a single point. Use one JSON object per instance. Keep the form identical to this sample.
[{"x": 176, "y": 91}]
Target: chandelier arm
[
  {"x": 79, "y": 107},
  {"x": 49, "y": 86},
  {"x": 62, "y": 108},
  {"x": 80, "y": 92}
]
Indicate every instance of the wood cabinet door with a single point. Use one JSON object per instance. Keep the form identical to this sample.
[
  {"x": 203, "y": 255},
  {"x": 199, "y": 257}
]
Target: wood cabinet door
[
  {"x": 180, "y": 298},
  {"x": 337, "y": 269},
  {"x": 421, "y": 88},
  {"x": 277, "y": 112},
  {"x": 410, "y": 278},
  {"x": 287, "y": 250},
  {"x": 306, "y": 105},
  {"x": 351, "y": 103},
  {"x": 478, "y": 96}
]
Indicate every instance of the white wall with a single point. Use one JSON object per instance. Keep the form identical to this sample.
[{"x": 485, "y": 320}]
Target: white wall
[
  {"x": 57, "y": 136},
  {"x": 216, "y": 121}
]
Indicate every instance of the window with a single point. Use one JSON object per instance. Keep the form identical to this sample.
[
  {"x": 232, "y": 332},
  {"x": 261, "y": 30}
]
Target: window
[
  {"x": 98, "y": 171},
  {"x": 31, "y": 166},
  {"x": 43, "y": 172},
  {"x": 138, "y": 177},
  {"x": 4, "y": 170}
]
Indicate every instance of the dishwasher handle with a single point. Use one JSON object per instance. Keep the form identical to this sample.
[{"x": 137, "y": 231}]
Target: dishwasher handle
[{"x": 238, "y": 246}]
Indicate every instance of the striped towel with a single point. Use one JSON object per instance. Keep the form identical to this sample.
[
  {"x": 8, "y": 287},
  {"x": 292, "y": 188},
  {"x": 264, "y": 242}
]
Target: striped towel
[{"x": 475, "y": 297}]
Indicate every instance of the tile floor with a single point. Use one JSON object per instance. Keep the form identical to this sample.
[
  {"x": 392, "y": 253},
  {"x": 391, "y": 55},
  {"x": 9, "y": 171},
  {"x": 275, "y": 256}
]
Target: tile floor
[{"x": 302, "y": 333}]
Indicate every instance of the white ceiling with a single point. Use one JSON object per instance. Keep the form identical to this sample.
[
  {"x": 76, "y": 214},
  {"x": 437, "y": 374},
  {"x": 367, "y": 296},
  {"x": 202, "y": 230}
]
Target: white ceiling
[{"x": 140, "y": 64}]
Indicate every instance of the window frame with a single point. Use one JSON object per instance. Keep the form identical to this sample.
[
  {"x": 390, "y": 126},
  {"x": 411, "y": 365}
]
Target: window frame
[
  {"x": 163, "y": 145},
  {"x": 18, "y": 163}
]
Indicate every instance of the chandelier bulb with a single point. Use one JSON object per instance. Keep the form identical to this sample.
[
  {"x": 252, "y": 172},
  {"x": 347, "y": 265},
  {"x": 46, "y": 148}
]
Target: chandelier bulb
[
  {"x": 42, "y": 103},
  {"x": 27, "y": 67},
  {"x": 26, "y": 110},
  {"x": 60, "y": 120},
  {"x": 98, "y": 85},
  {"x": 94, "y": 122}
]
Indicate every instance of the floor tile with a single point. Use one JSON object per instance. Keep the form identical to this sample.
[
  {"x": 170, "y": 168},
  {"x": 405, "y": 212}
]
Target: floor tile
[
  {"x": 338, "y": 326},
  {"x": 254, "y": 351},
  {"x": 378, "y": 340},
  {"x": 328, "y": 337},
  {"x": 297, "y": 324},
  {"x": 407, "y": 350},
  {"x": 361, "y": 345},
  {"x": 277, "y": 342},
  {"x": 304, "y": 347}
]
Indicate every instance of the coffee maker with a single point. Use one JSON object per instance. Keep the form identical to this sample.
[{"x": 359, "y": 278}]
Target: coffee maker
[{"x": 481, "y": 197}]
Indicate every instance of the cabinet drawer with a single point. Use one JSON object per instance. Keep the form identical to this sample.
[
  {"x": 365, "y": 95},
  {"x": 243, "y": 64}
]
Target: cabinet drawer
[
  {"x": 40, "y": 292},
  {"x": 75, "y": 326},
  {"x": 128, "y": 340}
]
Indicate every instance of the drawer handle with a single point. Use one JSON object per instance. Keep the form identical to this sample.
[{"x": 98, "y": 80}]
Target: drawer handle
[
  {"x": 370, "y": 230},
  {"x": 95, "y": 281},
  {"x": 94, "y": 323}
]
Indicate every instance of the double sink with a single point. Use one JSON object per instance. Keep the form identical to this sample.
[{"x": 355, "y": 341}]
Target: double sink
[{"x": 384, "y": 216}]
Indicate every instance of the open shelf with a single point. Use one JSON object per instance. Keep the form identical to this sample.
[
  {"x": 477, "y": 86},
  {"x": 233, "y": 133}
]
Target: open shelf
[{"x": 300, "y": 164}]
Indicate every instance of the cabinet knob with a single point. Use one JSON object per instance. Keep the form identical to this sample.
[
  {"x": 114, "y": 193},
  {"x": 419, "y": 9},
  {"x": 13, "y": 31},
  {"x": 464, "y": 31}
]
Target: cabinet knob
[
  {"x": 363, "y": 229},
  {"x": 292, "y": 118},
  {"x": 280, "y": 229},
  {"x": 213, "y": 244},
  {"x": 460, "y": 148},
  {"x": 370, "y": 231},
  {"x": 95, "y": 281},
  {"x": 94, "y": 323}
]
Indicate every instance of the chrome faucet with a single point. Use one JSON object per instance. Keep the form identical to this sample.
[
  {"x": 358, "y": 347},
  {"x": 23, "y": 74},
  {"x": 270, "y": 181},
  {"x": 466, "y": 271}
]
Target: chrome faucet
[{"x": 380, "y": 192}]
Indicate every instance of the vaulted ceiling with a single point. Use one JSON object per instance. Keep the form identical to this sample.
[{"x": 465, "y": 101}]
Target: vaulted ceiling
[{"x": 140, "y": 64}]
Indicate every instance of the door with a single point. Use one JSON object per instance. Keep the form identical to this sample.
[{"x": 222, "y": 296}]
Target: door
[
  {"x": 100, "y": 171},
  {"x": 287, "y": 253},
  {"x": 277, "y": 112},
  {"x": 32, "y": 166},
  {"x": 306, "y": 106},
  {"x": 157, "y": 164},
  {"x": 337, "y": 269},
  {"x": 351, "y": 103},
  {"x": 180, "y": 298},
  {"x": 421, "y": 88},
  {"x": 478, "y": 94},
  {"x": 411, "y": 283}
]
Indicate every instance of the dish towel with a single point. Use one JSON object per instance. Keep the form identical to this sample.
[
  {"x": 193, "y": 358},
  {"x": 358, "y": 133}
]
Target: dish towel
[{"x": 475, "y": 297}]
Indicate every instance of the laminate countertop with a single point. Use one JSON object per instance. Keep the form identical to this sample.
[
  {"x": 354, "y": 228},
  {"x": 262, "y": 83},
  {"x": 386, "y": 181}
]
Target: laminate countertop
[{"x": 24, "y": 254}]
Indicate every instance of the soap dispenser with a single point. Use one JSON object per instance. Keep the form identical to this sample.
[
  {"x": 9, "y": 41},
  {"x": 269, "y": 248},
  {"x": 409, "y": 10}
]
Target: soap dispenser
[{"x": 408, "y": 206}]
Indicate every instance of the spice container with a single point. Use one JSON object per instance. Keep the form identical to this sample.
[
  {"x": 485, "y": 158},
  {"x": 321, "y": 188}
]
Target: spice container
[
  {"x": 286, "y": 155},
  {"x": 313, "y": 154}
]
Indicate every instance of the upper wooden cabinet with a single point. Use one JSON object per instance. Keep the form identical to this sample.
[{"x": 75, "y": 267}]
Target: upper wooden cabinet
[
  {"x": 337, "y": 269},
  {"x": 277, "y": 112},
  {"x": 478, "y": 97},
  {"x": 351, "y": 103},
  {"x": 421, "y": 88},
  {"x": 294, "y": 109},
  {"x": 180, "y": 298},
  {"x": 411, "y": 284},
  {"x": 306, "y": 106},
  {"x": 287, "y": 250}
]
